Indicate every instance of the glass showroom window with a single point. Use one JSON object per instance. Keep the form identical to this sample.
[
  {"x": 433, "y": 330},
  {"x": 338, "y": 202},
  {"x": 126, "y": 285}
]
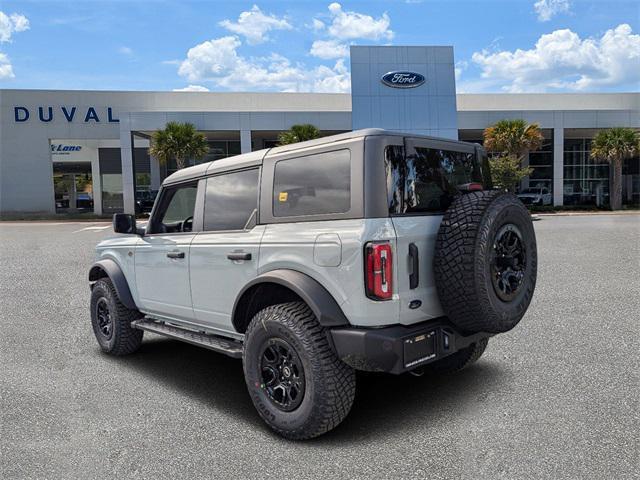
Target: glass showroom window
[
  {"x": 586, "y": 181},
  {"x": 111, "y": 180},
  {"x": 222, "y": 149},
  {"x": 631, "y": 182},
  {"x": 541, "y": 161},
  {"x": 73, "y": 187},
  {"x": 217, "y": 149}
]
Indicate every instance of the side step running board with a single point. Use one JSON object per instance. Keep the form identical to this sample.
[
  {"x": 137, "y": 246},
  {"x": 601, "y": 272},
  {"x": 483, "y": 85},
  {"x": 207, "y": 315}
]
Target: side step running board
[{"x": 212, "y": 342}]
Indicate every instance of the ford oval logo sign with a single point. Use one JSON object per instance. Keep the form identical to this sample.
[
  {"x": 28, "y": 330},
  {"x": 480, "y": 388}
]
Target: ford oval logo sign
[{"x": 403, "y": 79}]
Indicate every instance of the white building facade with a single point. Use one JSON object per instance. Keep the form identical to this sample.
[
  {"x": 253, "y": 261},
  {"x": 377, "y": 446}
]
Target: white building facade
[{"x": 77, "y": 151}]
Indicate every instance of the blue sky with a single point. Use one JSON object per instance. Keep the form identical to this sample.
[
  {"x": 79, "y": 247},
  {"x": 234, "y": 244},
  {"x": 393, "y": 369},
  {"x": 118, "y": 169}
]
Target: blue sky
[{"x": 500, "y": 46}]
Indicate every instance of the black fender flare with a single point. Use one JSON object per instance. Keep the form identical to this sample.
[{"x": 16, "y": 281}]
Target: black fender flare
[
  {"x": 115, "y": 274},
  {"x": 320, "y": 301}
]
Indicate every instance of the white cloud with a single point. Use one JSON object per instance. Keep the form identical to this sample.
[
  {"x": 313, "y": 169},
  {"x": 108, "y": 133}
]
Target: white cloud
[
  {"x": 562, "y": 60},
  {"x": 125, "y": 51},
  {"x": 547, "y": 9},
  {"x": 347, "y": 25},
  {"x": 210, "y": 59},
  {"x": 10, "y": 24},
  {"x": 331, "y": 80},
  {"x": 218, "y": 61},
  {"x": 6, "y": 70},
  {"x": 327, "y": 49},
  {"x": 192, "y": 88},
  {"x": 254, "y": 25}
]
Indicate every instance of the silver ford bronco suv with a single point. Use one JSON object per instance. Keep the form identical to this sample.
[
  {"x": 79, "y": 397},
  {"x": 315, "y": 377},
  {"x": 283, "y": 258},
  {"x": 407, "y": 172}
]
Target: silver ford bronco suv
[{"x": 369, "y": 250}]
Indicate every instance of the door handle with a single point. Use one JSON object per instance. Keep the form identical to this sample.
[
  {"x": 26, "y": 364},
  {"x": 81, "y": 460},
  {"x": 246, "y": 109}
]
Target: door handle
[
  {"x": 239, "y": 256},
  {"x": 175, "y": 255},
  {"x": 414, "y": 277}
]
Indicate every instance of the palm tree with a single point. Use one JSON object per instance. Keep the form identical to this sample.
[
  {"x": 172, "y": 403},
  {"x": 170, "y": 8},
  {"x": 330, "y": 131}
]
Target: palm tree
[
  {"x": 614, "y": 146},
  {"x": 507, "y": 172},
  {"x": 298, "y": 133},
  {"x": 178, "y": 141},
  {"x": 510, "y": 141},
  {"x": 513, "y": 137}
]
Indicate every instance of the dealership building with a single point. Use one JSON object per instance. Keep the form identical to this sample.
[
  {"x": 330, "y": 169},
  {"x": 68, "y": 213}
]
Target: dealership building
[{"x": 68, "y": 151}]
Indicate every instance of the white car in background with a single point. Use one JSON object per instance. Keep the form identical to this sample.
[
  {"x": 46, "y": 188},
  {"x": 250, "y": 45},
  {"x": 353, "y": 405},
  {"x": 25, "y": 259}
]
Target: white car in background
[{"x": 536, "y": 196}]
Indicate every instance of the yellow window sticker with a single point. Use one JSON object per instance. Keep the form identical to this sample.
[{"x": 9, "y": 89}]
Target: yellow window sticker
[{"x": 283, "y": 196}]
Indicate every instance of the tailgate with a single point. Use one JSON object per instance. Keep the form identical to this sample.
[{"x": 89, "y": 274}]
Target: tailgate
[{"x": 416, "y": 239}]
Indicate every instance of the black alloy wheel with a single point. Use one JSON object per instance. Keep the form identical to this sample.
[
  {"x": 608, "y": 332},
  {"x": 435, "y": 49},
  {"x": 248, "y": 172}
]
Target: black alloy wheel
[
  {"x": 111, "y": 320},
  {"x": 485, "y": 261},
  {"x": 282, "y": 374},
  {"x": 508, "y": 262},
  {"x": 103, "y": 316},
  {"x": 298, "y": 385}
]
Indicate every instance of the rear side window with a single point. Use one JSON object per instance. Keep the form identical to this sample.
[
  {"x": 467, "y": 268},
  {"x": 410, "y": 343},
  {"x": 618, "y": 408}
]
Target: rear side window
[
  {"x": 313, "y": 185},
  {"x": 231, "y": 201},
  {"x": 427, "y": 180}
]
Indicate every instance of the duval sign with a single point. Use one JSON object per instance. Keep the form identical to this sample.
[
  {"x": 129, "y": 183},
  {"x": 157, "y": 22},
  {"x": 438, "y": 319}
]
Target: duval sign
[
  {"x": 402, "y": 79},
  {"x": 47, "y": 114}
]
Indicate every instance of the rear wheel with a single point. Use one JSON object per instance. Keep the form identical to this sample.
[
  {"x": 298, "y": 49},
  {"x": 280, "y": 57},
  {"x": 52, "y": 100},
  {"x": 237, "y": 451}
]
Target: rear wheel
[
  {"x": 296, "y": 382},
  {"x": 111, "y": 320}
]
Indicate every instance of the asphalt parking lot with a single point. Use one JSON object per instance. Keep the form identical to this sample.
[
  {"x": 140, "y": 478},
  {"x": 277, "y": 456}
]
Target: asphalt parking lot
[{"x": 558, "y": 397}]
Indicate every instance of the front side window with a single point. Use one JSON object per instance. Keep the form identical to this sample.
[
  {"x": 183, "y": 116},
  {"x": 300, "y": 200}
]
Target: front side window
[
  {"x": 231, "y": 200},
  {"x": 428, "y": 180},
  {"x": 175, "y": 212},
  {"x": 317, "y": 184}
]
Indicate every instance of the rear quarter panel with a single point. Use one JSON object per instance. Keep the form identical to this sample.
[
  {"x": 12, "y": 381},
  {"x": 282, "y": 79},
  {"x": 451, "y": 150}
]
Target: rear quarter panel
[{"x": 291, "y": 246}]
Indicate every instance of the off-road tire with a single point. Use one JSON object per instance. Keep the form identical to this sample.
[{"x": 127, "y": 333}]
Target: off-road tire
[
  {"x": 459, "y": 360},
  {"x": 462, "y": 261},
  {"x": 329, "y": 383},
  {"x": 124, "y": 339}
]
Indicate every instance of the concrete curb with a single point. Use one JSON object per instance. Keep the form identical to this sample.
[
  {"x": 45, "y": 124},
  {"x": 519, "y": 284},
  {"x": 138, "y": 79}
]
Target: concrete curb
[{"x": 576, "y": 214}]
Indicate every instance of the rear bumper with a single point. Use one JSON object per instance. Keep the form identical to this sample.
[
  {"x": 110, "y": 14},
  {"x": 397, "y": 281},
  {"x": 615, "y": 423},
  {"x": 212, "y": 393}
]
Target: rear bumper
[{"x": 398, "y": 348}]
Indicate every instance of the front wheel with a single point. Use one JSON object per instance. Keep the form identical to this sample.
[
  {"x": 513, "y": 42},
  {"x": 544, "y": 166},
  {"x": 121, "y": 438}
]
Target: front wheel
[
  {"x": 111, "y": 320},
  {"x": 296, "y": 382}
]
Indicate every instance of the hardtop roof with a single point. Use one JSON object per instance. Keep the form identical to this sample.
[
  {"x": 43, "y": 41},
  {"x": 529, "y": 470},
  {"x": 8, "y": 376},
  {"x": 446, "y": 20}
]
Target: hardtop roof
[{"x": 254, "y": 158}]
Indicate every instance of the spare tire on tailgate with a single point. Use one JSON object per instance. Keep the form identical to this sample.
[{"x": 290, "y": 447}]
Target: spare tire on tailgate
[{"x": 485, "y": 261}]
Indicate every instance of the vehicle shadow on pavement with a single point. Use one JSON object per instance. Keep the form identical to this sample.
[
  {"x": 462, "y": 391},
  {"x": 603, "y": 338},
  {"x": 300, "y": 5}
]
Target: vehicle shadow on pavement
[
  {"x": 215, "y": 380},
  {"x": 385, "y": 404},
  {"x": 390, "y": 404}
]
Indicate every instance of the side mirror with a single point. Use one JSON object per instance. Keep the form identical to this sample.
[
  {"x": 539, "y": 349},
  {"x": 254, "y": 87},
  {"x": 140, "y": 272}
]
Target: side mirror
[{"x": 126, "y": 223}]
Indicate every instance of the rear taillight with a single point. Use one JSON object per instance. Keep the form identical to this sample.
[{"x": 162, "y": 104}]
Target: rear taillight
[
  {"x": 378, "y": 270},
  {"x": 470, "y": 187}
]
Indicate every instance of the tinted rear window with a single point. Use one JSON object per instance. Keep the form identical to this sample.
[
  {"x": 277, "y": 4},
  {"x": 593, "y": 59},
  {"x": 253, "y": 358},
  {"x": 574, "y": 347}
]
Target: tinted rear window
[
  {"x": 230, "y": 201},
  {"x": 426, "y": 180},
  {"x": 313, "y": 185}
]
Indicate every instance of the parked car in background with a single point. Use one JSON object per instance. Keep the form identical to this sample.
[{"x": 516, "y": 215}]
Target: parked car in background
[
  {"x": 536, "y": 196},
  {"x": 144, "y": 200},
  {"x": 84, "y": 200}
]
